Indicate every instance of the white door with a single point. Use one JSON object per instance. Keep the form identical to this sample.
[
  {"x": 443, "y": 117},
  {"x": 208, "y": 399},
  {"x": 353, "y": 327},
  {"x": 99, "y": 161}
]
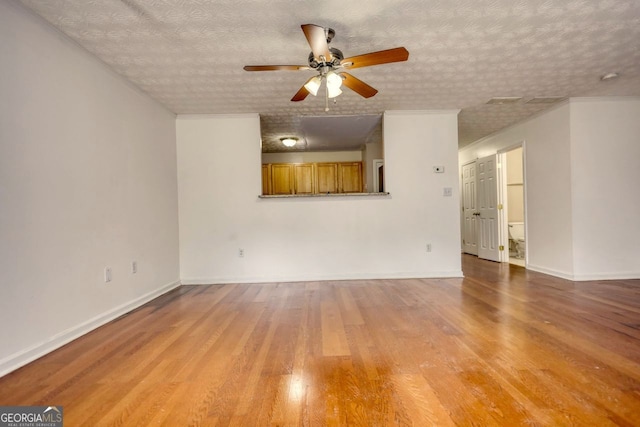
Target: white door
[
  {"x": 488, "y": 242},
  {"x": 469, "y": 211}
]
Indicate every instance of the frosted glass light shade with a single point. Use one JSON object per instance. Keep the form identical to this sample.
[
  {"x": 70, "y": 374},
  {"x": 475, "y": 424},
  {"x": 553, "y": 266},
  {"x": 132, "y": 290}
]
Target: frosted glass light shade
[
  {"x": 289, "y": 142},
  {"x": 334, "y": 80},
  {"x": 313, "y": 84},
  {"x": 332, "y": 91}
]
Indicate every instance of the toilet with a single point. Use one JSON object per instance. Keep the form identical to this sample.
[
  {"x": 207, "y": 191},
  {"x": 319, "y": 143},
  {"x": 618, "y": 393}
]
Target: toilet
[{"x": 516, "y": 238}]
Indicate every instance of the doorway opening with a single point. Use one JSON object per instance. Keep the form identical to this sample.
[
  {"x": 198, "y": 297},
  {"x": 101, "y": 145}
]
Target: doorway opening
[{"x": 513, "y": 197}]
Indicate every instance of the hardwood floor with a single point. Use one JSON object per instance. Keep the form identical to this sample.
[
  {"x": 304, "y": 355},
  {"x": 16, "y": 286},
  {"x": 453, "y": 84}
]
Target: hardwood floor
[{"x": 504, "y": 346}]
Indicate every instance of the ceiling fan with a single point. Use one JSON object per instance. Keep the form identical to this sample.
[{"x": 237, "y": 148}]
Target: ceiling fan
[{"x": 330, "y": 64}]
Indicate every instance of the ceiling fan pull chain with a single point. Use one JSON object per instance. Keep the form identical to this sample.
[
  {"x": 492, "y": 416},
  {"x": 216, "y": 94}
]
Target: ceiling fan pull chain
[{"x": 326, "y": 98}]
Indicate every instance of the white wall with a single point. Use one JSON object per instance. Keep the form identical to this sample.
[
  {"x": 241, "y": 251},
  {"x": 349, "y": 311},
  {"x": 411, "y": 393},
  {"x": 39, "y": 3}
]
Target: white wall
[
  {"x": 87, "y": 180},
  {"x": 547, "y": 185},
  {"x": 315, "y": 238},
  {"x": 312, "y": 157},
  {"x": 605, "y": 157}
]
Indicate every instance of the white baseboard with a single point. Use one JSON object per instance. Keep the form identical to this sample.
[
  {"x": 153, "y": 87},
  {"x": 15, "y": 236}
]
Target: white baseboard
[
  {"x": 22, "y": 357},
  {"x": 321, "y": 278},
  {"x": 585, "y": 277},
  {"x": 607, "y": 276},
  {"x": 550, "y": 272}
]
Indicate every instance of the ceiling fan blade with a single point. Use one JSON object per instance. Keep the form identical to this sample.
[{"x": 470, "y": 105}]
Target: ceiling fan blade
[
  {"x": 317, "y": 39},
  {"x": 358, "y": 86},
  {"x": 300, "y": 95},
  {"x": 275, "y": 67},
  {"x": 398, "y": 54}
]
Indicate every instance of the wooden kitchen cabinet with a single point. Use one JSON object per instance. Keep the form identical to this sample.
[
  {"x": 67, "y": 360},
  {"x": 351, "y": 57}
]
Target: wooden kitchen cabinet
[
  {"x": 326, "y": 178},
  {"x": 350, "y": 177},
  {"x": 266, "y": 180},
  {"x": 311, "y": 178},
  {"x": 303, "y": 178},
  {"x": 281, "y": 178}
]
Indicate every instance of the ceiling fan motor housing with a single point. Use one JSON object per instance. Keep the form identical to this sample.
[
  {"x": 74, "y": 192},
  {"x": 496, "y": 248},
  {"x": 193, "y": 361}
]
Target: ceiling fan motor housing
[{"x": 337, "y": 57}]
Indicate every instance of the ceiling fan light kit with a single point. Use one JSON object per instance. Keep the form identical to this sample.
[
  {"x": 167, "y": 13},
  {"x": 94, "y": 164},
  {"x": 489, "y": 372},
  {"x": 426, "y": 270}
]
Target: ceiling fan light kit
[{"x": 331, "y": 65}]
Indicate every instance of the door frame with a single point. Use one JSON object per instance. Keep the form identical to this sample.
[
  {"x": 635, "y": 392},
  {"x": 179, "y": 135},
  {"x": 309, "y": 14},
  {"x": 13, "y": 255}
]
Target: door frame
[
  {"x": 502, "y": 198},
  {"x": 377, "y": 163}
]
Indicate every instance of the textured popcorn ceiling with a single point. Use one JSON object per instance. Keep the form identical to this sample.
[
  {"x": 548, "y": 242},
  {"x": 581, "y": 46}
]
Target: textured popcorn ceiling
[{"x": 189, "y": 55}]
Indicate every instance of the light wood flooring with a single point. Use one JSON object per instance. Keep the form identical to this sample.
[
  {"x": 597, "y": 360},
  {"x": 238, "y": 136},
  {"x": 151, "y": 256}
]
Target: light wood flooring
[{"x": 504, "y": 346}]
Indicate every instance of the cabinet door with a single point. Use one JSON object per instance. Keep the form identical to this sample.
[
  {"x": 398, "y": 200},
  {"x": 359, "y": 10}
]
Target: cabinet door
[
  {"x": 350, "y": 177},
  {"x": 266, "y": 181},
  {"x": 326, "y": 178},
  {"x": 281, "y": 179},
  {"x": 303, "y": 178}
]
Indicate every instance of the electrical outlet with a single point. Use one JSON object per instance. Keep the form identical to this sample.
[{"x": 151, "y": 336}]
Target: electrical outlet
[
  {"x": 107, "y": 274},
  {"x": 428, "y": 247},
  {"x": 447, "y": 191},
  {"x": 134, "y": 267},
  {"x": 241, "y": 253}
]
